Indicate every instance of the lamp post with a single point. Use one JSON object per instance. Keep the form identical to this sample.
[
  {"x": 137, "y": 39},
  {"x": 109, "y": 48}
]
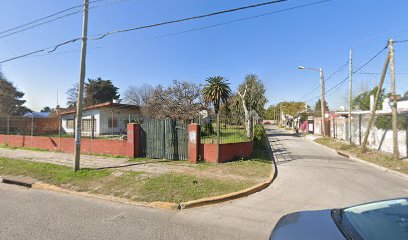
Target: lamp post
[{"x": 323, "y": 100}]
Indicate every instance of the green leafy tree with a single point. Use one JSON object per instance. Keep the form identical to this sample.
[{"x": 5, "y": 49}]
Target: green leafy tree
[
  {"x": 252, "y": 93},
  {"x": 100, "y": 91},
  {"x": 46, "y": 109},
  {"x": 406, "y": 94},
  {"x": 293, "y": 108},
  {"x": 11, "y": 102},
  {"x": 96, "y": 91},
  {"x": 318, "y": 108},
  {"x": 362, "y": 101}
]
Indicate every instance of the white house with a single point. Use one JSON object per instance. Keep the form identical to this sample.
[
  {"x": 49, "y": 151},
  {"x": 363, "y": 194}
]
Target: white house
[{"x": 108, "y": 118}]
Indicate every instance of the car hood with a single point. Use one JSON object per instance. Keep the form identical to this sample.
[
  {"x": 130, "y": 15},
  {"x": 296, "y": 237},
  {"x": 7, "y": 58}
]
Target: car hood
[{"x": 306, "y": 225}]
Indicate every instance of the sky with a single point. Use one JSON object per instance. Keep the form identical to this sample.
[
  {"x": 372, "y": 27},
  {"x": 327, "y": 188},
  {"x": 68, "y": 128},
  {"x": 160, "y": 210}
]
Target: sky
[{"x": 272, "y": 46}]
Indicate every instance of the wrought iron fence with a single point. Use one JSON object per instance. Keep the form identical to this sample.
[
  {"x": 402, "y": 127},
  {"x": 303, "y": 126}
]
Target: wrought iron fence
[{"x": 233, "y": 128}]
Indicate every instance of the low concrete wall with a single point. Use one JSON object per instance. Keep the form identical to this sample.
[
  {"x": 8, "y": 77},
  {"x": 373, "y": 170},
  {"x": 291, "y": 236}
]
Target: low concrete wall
[
  {"x": 228, "y": 152},
  {"x": 88, "y": 146}
]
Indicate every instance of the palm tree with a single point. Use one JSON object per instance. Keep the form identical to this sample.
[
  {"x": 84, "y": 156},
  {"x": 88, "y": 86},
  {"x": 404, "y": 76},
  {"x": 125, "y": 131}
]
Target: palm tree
[{"x": 217, "y": 91}]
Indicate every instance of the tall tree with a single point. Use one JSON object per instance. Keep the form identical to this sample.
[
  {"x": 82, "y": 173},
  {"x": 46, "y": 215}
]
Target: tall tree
[
  {"x": 11, "y": 102},
  {"x": 216, "y": 91},
  {"x": 72, "y": 95},
  {"x": 252, "y": 93},
  {"x": 406, "y": 94},
  {"x": 318, "y": 108},
  {"x": 138, "y": 95},
  {"x": 362, "y": 101},
  {"x": 180, "y": 101},
  {"x": 96, "y": 91},
  {"x": 100, "y": 91}
]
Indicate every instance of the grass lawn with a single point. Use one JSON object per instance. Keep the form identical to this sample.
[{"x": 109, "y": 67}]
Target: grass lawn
[
  {"x": 373, "y": 156},
  {"x": 196, "y": 181},
  {"x": 230, "y": 134}
]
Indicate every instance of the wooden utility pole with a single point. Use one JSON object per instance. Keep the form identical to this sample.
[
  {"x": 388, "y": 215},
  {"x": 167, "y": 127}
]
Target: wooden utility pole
[
  {"x": 377, "y": 97},
  {"x": 78, "y": 120},
  {"x": 322, "y": 101},
  {"x": 350, "y": 94},
  {"x": 393, "y": 102}
]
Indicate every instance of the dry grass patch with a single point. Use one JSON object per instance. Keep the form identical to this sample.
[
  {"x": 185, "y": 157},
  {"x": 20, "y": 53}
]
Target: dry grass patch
[{"x": 373, "y": 156}]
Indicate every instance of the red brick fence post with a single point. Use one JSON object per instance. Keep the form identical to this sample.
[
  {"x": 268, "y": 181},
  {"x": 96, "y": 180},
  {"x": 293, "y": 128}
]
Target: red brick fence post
[
  {"x": 193, "y": 142},
  {"x": 133, "y": 139}
]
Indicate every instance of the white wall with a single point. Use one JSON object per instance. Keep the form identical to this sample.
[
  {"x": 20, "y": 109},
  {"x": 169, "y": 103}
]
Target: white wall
[
  {"x": 87, "y": 114},
  {"x": 378, "y": 139},
  {"x": 102, "y": 117}
]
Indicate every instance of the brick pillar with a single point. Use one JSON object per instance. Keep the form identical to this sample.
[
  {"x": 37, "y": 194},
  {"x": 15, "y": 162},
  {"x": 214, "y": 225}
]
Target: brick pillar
[
  {"x": 133, "y": 139},
  {"x": 193, "y": 142}
]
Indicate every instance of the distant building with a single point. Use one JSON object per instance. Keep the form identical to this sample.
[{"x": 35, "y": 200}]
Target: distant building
[
  {"x": 37, "y": 115},
  {"x": 108, "y": 118}
]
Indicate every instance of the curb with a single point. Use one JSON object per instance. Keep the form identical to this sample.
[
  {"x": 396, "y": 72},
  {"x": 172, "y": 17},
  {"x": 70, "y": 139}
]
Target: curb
[
  {"x": 168, "y": 205},
  {"x": 160, "y": 205},
  {"x": 356, "y": 159},
  {"x": 16, "y": 181},
  {"x": 239, "y": 194}
]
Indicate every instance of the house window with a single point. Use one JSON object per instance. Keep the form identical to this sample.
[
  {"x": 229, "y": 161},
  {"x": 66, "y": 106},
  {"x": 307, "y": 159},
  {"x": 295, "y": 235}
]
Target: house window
[
  {"x": 113, "y": 123},
  {"x": 87, "y": 125},
  {"x": 70, "y": 123}
]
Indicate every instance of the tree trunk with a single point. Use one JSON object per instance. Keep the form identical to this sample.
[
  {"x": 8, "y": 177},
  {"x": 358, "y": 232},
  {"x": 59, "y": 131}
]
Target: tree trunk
[{"x": 247, "y": 123}]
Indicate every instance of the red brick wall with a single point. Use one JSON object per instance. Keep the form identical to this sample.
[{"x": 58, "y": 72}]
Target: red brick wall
[
  {"x": 228, "y": 152},
  {"x": 88, "y": 146}
]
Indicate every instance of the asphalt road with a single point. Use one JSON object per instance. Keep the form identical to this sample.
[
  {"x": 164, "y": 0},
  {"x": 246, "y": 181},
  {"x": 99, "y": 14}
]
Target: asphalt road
[{"x": 310, "y": 177}]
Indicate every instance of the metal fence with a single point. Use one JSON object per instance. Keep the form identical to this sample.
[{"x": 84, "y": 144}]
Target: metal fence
[
  {"x": 53, "y": 127},
  {"x": 233, "y": 128},
  {"x": 29, "y": 126}
]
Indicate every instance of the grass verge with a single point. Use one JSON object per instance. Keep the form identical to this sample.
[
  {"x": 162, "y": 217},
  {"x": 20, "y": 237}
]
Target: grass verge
[
  {"x": 137, "y": 186},
  {"x": 373, "y": 156}
]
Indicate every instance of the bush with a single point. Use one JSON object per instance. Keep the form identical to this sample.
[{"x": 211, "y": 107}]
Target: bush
[
  {"x": 207, "y": 130},
  {"x": 259, "y": 137}
]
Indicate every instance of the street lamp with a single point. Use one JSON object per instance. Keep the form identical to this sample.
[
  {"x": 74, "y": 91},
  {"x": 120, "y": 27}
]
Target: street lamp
[{"x": 322, "y": 89}]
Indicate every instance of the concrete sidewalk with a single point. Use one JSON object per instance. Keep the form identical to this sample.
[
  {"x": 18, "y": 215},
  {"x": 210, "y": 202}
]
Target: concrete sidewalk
[{"x": 87, "y": 161}]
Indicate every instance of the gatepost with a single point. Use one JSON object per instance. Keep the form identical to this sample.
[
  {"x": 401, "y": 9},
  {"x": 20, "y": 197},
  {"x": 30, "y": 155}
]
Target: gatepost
[
  {"x": 133, "y": 139},
  {"x": 193, "y": 142}
]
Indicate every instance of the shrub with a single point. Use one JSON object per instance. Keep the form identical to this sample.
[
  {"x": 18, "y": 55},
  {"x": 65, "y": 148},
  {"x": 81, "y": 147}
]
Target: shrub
[
  {"x": 207, "y": 129},
  {"x": 259, "y": 137}
]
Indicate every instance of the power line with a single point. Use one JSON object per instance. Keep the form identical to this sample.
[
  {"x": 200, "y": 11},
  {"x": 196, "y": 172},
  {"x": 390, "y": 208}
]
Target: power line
[
  {"x": 356, "y": 71},
  {"x": 401, "y": 41},
  {"x": 318, "y": 86},
  {"x": 54, "y": 48},
  {"x": 103, "y": 35},
  {"x": 40, "y": 24},
  {"x": 40, "y": 21},
  {"x": 243, "y": 19}
]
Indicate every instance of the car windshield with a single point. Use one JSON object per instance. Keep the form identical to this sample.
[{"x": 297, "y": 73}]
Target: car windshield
[{"x": 380, "y": 220}]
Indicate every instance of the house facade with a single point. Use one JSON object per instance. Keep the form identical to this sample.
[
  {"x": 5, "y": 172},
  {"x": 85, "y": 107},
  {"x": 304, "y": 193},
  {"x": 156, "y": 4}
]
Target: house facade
[{"x": 105, "y": 119}]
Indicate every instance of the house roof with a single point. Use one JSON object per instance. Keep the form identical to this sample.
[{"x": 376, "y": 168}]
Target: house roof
[{"x": 102, "y": 105}]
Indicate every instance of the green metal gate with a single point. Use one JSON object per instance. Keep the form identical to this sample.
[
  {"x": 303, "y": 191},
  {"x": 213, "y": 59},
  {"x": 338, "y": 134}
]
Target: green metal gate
[{"x": 164, "y": 139}]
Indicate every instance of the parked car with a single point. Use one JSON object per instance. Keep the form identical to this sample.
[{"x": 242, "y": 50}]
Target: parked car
[{"x": 383, "y": 220}]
